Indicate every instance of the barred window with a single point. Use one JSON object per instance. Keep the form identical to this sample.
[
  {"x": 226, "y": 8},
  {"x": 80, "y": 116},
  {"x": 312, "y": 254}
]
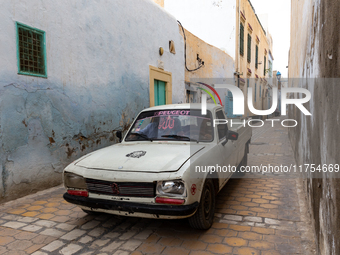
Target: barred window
[
  {"x": 241, "y": 39},
  {"x": 31, "y": 51},
  {"x": 249, "y": 49}
]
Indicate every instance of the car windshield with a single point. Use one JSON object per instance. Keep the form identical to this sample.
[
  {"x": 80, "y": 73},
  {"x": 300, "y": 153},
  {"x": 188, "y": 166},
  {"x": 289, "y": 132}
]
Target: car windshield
[{"x": 174, "y": 124}]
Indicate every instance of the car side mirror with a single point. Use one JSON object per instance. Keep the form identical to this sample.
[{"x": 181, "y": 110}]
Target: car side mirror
[
  {"x": 119, "y": 135},
  {"x": 231, "y": 135}
]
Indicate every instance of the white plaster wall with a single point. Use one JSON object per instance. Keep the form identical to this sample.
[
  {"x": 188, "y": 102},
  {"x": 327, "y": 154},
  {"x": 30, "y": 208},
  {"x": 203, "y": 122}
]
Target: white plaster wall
[
  {"x": 98, "y": 57},
  {"x": 93, "y": 41},
  {"x": 214, "y": 21}
]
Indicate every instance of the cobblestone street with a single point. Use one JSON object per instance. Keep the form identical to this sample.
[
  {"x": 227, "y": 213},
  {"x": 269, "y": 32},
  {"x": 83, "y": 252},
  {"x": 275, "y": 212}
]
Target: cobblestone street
[{"x": 264, "y": 214}]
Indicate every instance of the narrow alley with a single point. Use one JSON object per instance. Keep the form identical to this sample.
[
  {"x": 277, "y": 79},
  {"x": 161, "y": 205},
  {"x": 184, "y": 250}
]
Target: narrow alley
[
  {"x": 124, "y": 102},
  {"x": 265, "y": 214}
]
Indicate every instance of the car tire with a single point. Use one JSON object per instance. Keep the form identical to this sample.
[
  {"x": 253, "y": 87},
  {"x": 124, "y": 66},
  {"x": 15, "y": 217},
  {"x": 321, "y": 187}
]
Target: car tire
[{"x": 204, "y": 216}]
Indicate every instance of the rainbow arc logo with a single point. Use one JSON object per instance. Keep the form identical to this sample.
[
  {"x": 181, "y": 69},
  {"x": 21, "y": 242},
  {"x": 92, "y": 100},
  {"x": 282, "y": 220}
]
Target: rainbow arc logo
[{"x": 209, "y": 93}]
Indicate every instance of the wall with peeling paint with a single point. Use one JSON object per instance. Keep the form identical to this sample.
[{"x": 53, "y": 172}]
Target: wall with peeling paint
[
  {"x": 98, "y": 57},
  {"x": 314, "y": 64}
]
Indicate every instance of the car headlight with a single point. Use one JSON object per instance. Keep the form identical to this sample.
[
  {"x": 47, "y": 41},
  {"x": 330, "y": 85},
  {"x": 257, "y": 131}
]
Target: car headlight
[
  {"x": 171, "y": 188},
  {"x": 74, "y": 181}
]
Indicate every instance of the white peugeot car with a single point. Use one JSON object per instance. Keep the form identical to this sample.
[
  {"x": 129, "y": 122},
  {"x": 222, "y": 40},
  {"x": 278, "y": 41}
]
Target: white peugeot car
[{"x": 161, "y": 167}]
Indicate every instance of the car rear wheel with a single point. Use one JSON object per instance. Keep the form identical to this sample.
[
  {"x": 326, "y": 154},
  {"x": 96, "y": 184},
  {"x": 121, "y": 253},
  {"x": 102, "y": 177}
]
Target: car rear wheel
[{"x": 204, "y": 216}]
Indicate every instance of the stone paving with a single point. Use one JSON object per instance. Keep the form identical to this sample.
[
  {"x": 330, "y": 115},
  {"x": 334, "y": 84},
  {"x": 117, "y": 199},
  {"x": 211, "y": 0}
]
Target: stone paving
[{"x": 260, "y": 214}]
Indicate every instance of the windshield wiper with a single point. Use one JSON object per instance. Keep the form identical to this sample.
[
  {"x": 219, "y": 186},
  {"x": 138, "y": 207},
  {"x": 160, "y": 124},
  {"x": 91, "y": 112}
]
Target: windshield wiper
[
  {"x": 180, "y": 137},
  {"x": 142, "y": 135}
]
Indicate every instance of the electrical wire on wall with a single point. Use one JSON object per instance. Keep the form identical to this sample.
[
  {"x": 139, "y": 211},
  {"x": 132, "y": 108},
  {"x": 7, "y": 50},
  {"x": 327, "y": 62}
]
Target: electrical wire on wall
[{"x": 201, "y": 63}]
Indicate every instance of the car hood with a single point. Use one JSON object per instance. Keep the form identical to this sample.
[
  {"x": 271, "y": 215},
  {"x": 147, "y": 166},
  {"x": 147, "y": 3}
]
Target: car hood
[{"x": 151, "y": 157}]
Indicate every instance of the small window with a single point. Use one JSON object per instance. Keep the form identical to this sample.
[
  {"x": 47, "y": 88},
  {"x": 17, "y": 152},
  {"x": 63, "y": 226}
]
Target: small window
[
  {"x": 260, "y": 91},
  {"x": 249, "y": 49},
  {"x": 31, "y": 51},
  {"x": 222, "y": 128},
  {"x": 241, "y": 39}
]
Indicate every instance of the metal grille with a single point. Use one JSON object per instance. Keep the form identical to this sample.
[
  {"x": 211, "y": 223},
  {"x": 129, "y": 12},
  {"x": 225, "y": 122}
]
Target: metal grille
[
  {"x": 31, "y": 51},
  {"x": 241, "y": 39},
  {"x": 131, "y": 189},
  {"x": 256, "y": 56},
  {"x": 249, "y": 49}
]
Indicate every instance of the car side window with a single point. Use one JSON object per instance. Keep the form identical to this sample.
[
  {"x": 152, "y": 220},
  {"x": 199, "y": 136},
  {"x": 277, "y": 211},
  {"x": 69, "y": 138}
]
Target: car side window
[{"x": 222, "y": 128}]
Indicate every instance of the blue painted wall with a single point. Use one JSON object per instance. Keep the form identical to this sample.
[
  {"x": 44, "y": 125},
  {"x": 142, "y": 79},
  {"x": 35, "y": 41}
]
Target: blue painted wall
[{"x": 98, "y": 57}]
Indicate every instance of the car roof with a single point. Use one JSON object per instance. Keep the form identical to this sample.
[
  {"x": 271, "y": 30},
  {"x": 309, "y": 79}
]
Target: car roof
[{"x": 195, "y": 106}]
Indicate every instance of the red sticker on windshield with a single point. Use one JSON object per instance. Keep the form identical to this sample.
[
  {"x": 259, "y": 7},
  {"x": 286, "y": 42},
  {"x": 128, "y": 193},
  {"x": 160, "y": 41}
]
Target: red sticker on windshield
[
  {"x": 166, "y": 123},
  {"x": 193, "y": 189}
]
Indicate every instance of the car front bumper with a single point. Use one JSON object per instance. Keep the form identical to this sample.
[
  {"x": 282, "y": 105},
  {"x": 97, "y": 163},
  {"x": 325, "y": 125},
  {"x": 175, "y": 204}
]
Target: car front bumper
[{"x": 133, "y": 209}]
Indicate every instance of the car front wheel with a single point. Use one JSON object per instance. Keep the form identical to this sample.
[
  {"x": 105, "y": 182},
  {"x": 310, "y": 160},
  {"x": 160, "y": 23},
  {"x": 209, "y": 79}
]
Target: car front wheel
[{"x": 204, "y": 216}]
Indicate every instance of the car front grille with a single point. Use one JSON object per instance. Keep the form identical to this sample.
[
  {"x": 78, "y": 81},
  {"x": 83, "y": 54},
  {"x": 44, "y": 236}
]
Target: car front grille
[{"x": 127, "y": 189}]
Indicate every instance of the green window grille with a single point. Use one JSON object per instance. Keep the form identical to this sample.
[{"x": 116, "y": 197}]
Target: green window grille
[
  {"x": 31, "y": 51},
  {"x": 241, "y": 39},
  {"x": 249, "y": 49},
  {"x": 264, "y": 65},
  {"x": 256, "y": 56},
  {"x": 260, "y": 90},
  {"x": 248, "y": 83}
]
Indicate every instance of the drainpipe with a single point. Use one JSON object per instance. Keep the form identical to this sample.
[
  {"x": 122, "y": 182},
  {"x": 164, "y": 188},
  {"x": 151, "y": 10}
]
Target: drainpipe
[
  {"x": 238, "y": 37},
  {"x": 237, "y": 43}
]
